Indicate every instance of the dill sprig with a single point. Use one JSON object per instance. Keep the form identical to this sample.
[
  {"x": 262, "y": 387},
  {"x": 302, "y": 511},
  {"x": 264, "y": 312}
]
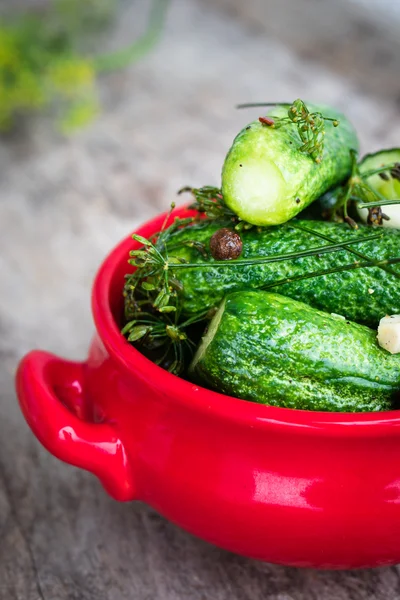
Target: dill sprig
[
  {"x": 367, "y": 264},
  {"x": 164, "y": 337},
  {"x": 153, "y": 305},
  {"x": 151, "y": 262},
  {"x": 384, "y": 266},
  {"x": 310, "y": 125},
  {"x": 358, "y": 190},
  {"x": 208, "y": 201}
]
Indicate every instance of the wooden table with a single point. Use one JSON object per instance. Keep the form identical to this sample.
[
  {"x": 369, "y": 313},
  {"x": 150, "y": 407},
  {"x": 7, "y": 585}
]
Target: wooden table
[{"x": 64, "y": 202}]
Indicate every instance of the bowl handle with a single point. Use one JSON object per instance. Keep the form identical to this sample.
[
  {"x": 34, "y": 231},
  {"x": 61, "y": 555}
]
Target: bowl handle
[{"x": 43, "y": 381}]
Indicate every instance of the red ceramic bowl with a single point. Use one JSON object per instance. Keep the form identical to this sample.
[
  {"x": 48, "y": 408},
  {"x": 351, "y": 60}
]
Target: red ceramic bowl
[{"x": 285, "y": 486}]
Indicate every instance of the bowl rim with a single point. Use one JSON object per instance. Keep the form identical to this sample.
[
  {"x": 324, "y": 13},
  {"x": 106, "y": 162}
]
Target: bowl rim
[{"x": 195, "y": 397}]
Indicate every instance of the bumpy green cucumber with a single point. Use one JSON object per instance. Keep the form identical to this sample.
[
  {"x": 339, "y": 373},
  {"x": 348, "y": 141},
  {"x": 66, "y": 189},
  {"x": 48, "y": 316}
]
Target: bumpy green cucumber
[
  {"x": 266, "y": 180},
  {"x": 274, "y": 350},
  {"x": 363, "y": 295},
  {"x": 389, "y": 186}
]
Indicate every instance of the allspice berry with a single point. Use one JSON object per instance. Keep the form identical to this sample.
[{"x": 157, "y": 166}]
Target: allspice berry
[{"x": 226, "y": 244}]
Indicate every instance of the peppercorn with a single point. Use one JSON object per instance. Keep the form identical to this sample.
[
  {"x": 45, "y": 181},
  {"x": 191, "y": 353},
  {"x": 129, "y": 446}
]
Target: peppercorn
[{"x": 226, "y": 244}]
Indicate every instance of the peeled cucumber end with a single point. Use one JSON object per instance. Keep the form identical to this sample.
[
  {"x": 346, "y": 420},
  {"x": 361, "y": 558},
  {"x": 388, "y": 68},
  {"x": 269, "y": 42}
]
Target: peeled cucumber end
[{"x": 253, "y": 188}]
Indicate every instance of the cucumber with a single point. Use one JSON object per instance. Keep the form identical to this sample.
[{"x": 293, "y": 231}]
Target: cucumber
[
  {"x": 267, "y": 180},
  {"x": 363, "y": 295},
  {"x": 389, "y": 188},
  {"x": 274, "y": 350}
]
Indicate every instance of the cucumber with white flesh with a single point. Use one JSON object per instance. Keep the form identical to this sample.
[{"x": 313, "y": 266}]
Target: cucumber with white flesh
[
  {"x": 267, "y": 180},
  {"x": 388, "y": 186},
  {"x": 278, "y": 351}
]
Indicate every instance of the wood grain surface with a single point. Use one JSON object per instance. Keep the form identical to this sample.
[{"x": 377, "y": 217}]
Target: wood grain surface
[{"x": 64, "y": 202}]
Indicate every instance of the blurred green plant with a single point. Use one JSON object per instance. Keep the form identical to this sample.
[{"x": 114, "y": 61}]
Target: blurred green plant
[{"x": 43, "y": 64}]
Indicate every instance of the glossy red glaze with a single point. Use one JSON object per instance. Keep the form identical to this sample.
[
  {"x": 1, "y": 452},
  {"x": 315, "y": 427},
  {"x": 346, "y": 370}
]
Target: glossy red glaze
[{"x": 285, "y": 486}]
